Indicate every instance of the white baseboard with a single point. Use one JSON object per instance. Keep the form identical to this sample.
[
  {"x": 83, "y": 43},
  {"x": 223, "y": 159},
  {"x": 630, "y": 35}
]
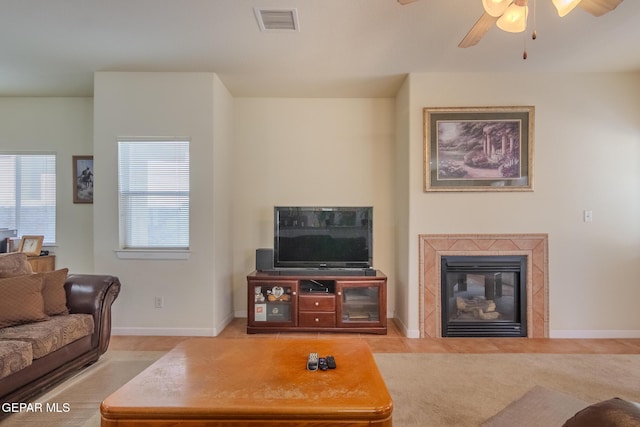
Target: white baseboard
[
  {"x": 587, "y": 334},
  {"x": 219, "y": 328},
  {"x": 412, "y": 333},
  {"x": 174, "y": 332},
  {"x": 168, "y": 332},
  {"x": 409, "y": 333}
]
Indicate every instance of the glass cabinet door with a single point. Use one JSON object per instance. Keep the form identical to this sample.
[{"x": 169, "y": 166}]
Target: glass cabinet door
[
  {"x": 360, "y": 303},
  {"x": 274, "y": 303}
]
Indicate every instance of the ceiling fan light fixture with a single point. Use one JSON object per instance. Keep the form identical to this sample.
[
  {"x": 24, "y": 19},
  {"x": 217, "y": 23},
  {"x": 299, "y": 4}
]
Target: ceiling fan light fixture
[
  {"x": 514, "y": 19},
  {"x": 495, "y": 8},
  {"x": 565, "y": 6}
]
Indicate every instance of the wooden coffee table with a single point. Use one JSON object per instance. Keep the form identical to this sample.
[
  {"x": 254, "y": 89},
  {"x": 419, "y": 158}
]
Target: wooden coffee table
[{"x": 254, "y": 382}]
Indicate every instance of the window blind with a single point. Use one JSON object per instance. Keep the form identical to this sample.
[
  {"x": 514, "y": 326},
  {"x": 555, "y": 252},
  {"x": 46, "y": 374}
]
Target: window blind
[
  {"x": 28, "y": 194},
  {"x": 153, "y": 186}
]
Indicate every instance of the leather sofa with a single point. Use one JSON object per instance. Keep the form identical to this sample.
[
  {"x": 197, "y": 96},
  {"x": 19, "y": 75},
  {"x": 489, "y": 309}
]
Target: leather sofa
[{"x": 88, "y": 299}]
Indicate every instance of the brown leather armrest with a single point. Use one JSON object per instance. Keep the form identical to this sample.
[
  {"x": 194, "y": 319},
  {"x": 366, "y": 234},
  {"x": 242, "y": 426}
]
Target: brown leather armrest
[{"x": 94, "y": 294}]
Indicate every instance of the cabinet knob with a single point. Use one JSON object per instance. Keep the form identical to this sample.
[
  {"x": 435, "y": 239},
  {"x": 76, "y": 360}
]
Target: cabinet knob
[
  {"x": 317, "y": 320},
  {"x": 339, "y": 293},
  {"x": 294, "y": 293},
  {"x": 317, "y": 304}
]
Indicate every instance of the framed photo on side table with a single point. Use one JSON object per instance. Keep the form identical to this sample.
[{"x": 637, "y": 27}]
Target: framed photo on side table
[
  {"x": 82, "y": 179},
  {"x": 478, "y": 149},
  {"x": 31, "y": 245}
]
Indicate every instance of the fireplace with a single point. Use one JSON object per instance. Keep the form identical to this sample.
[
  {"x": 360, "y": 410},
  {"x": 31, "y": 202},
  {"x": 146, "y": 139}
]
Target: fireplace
[
  {"x": 484, "y": 296},
  {"x": 533, "y": 246}
]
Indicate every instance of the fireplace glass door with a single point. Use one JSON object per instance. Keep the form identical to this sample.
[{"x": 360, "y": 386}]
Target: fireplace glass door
[{"x": 483, "y": 296}]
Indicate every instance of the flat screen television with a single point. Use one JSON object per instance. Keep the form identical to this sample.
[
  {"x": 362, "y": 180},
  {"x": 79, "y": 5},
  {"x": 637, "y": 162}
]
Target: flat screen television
[{"x": 323, "y": 237}]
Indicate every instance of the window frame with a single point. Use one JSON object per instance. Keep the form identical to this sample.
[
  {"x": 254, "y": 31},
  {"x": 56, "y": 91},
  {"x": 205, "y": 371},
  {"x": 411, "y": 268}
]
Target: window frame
[
  {"x": 19, "y": 191},
  {"x": 150, "y": 252}
]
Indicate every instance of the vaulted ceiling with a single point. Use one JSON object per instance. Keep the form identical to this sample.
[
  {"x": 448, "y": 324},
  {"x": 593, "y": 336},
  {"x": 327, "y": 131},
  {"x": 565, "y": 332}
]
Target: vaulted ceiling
[{"x": 350, "y": 48}]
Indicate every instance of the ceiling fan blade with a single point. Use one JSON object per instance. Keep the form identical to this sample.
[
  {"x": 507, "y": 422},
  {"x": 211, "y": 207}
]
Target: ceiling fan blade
[
  {"x": 599, "y": 7},
  {"x": 478, "y": 30}
]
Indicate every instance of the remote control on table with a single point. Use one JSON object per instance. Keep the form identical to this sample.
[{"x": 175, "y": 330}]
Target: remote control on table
[
  {"x": 331, "y": 362},
  {"x": 322, "y": 364},
  {"x": 312, "y": 362}
]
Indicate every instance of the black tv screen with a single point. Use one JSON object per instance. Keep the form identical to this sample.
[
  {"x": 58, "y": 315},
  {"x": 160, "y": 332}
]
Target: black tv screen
[{"x": 323, "y": 237}]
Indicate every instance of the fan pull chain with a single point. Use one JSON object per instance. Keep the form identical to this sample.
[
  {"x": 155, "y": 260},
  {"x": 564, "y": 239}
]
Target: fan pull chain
[{"x": 534, "y": 35}]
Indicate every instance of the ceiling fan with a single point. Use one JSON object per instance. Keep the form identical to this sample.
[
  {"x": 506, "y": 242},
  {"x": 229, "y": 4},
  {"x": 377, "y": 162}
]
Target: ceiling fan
[{"x": 511, "y": 15}]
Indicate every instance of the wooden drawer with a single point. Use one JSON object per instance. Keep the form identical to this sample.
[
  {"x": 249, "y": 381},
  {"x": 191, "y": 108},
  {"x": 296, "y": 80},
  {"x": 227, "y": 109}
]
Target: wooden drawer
[
  {"x": 317, "y": 319},
  {"x": 317, "y": 303}
]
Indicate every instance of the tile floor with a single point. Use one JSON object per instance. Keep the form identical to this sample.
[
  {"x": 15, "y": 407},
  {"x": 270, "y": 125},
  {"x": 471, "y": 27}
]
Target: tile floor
[{"x": 395, "y": 342}]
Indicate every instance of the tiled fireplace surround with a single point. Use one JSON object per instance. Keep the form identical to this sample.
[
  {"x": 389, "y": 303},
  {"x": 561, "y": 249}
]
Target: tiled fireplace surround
[{"x": 533, "y": 246}]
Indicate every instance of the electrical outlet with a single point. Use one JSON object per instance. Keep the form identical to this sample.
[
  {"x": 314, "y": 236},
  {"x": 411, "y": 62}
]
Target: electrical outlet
[
  {"x": 588, "y": 216},
  {"x": 159, "y": 302}
]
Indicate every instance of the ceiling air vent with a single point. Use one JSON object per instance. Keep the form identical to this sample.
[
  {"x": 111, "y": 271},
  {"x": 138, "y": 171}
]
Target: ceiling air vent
[{"x": 277, "y": 19}]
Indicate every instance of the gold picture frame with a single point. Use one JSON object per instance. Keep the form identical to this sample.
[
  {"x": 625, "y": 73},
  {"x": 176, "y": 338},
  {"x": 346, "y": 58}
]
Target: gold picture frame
[
  {"x": 31, "y": 245},
  {"x": 478, "y": 148}
]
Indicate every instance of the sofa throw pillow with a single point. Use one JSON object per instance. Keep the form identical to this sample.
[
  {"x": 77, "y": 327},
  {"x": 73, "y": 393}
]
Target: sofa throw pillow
[
  {"x": 614, "y": 412},
  {"x": 14, "y": 264},
  {"x": 53, "y": 293},
  {"x": 21, "y": 300}
]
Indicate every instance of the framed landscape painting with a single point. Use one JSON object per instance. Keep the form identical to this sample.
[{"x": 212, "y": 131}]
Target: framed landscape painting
[{"x": 478, "y": 149}]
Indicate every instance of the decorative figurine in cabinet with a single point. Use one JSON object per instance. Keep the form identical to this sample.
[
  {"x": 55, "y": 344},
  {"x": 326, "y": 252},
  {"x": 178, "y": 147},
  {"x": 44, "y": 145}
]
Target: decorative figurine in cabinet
[{"x": 273, "y": 303}]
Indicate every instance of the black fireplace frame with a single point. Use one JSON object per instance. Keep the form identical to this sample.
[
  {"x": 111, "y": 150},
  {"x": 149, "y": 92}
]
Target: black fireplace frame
[{"x": 486, "y": 264}]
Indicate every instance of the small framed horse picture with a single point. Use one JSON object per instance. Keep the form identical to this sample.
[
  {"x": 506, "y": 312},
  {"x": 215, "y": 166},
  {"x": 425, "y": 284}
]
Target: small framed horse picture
[{"x": 82, "y": 179}]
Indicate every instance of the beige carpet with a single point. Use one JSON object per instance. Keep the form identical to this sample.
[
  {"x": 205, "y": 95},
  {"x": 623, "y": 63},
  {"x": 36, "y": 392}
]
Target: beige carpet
[
  {"x": 427, "y": 389},
  {"x": 468, "y": 389},
  {"x": 539, "y": 406}
]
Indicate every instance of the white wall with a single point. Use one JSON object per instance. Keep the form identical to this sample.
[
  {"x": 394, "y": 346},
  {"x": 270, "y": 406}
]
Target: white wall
[
  {"x": 223, "y": 239},
  {"x": 250, "y": 154},
  {"x": 406, "y": 307},
  {"x": 587, "y": 156},
  {"x": 165, "y": 105},
  {"x": 64, "y": 126},
  {"x": 308, "y": 152}
]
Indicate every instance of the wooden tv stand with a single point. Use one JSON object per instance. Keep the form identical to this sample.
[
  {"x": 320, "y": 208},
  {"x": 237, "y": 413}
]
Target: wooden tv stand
[{"x": 316, "y": 303}]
